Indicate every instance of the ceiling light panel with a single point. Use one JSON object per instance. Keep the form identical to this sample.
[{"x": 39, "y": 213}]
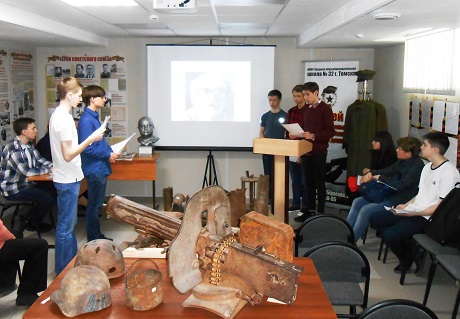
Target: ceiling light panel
[
  {"x": 101, "y": 3},
  {"x": 249, "y": 3}
]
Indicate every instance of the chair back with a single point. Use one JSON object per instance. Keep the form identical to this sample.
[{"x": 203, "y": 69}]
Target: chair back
[
  {"x": 398, "y": 308},
  {"x": 321, "y": 229},
  {"x": 337, "y": 261}
]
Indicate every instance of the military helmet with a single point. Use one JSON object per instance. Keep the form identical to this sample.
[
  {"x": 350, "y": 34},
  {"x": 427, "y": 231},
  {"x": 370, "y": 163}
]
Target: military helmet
[
  {"x": 83, "y": 289},
  {"x": 103, "y": 254}
]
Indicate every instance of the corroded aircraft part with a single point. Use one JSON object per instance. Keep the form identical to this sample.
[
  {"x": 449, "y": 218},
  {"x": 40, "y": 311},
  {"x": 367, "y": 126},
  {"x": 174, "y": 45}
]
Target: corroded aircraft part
[{"x": 147, "y": 221}]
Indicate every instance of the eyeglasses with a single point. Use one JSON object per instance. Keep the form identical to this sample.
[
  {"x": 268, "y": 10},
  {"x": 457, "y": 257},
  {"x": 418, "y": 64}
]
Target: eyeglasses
[{"x": 102, "y": 96}]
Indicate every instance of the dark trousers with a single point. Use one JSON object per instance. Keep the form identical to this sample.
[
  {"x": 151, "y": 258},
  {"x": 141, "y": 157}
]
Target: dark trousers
[
  {"x": 268, "y": 162},
  {"x": 44, "y": 197},
  {"x": 397, "y": 232},
  {"x": 314, "y": 167},
  {"x": 299, "y": 185},
  {"x": 34, "y": 252}
]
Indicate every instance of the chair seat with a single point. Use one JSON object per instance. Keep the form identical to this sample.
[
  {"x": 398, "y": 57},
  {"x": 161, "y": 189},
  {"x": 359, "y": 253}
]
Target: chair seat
[
  {"x": 451, "y": 264},
  {"x": 433, "y": 247},
  {"x": 344, "y": 293}
]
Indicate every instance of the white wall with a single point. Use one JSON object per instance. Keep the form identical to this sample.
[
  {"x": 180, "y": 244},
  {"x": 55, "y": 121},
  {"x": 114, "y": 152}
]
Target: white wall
[{"x": 184, "y": 170}]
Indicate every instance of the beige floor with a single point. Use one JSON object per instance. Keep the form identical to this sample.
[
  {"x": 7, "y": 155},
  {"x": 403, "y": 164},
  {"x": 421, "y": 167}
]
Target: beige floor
[{"x": 384, "y": 283}]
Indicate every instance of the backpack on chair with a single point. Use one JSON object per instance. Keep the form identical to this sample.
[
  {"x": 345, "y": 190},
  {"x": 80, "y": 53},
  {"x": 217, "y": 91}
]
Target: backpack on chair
[{"x": 444, "y": 223}]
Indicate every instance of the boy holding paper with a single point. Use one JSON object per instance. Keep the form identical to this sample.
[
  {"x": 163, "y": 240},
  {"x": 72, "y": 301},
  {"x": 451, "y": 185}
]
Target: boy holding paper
[
  {"x": 295, "y": 115},
  {"x": 95, "y": 159}
]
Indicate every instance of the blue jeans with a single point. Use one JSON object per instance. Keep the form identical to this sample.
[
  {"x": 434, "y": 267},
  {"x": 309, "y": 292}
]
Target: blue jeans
[
  {"x": 360, "y": 214},
  {"x": 97, "y": 185},
  {"x": 66, "y": 240},
  {"x": 299, "y": 185},
  {"x": 43, "y": 198}
]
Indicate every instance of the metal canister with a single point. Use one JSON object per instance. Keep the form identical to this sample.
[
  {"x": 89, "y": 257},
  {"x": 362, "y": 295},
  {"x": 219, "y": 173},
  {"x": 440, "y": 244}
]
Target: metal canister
[{"x": 143, "y": 285}]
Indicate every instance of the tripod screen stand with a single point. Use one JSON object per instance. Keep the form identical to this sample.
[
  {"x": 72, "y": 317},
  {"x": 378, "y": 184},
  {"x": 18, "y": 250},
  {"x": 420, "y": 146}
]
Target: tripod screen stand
[{"x": 210, "y": 175}]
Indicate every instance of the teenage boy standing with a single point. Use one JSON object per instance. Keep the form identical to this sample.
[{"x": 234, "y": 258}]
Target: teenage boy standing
[
  {"x": 318, "y": 126},
  {"x": 95, "y": 159},
  {"x": 299, "y": 183},
  {"x": 270, "y": 127},
  {"x": 67, "y": 173}
]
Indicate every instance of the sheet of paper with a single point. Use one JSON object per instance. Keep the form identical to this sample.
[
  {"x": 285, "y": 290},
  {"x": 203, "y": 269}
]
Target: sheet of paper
[
  {"x": 426, "y": 112},
  {"x": 415, "y": 108},
  {"x": 438, "y": 115},
  {"x": 387, "y": 185},
  {"x": 118, "y": 147},
  {"x": 293, "y": 129},
  {"x": 452, "y": 110}
]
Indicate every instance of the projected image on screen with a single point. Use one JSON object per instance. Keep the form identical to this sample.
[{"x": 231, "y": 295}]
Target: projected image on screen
[
  {"x": 212, "y": 91},
  {"x": 208, "y": 97}
]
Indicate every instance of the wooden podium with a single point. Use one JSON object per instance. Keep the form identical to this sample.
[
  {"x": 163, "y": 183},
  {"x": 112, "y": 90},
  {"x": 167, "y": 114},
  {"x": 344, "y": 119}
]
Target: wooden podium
[{"x": 281, "y": 149}]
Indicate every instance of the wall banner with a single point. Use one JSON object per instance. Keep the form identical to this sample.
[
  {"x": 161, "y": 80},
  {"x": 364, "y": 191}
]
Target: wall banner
[
  {"x": 338, "y": 88},
  {"x": 108, "y": 71}
]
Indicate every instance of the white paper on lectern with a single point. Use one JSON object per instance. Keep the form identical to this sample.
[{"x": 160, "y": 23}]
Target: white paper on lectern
[
  {"x": 118, "y": 147},
  {"x": 294, "y": 129}
]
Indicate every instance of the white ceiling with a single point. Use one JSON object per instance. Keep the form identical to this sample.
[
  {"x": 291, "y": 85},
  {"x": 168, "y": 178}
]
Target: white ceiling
[{"x": 315, "y": 23}]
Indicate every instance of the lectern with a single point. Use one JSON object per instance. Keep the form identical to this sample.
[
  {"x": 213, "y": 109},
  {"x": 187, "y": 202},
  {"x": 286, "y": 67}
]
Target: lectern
[{"x": 281, "y": 149}]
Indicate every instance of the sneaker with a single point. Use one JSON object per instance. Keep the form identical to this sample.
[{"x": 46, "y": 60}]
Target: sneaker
[
  {"x": 294, "y": 207},
  {"x": 26, "y": 300},
  {"x": 305, "y": 215},
  {"x": 8, "y": 290}
]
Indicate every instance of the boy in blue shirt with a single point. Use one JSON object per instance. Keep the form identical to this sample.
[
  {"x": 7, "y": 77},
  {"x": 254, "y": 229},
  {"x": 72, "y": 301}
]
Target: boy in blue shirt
[{"x": 95, "y": 159}]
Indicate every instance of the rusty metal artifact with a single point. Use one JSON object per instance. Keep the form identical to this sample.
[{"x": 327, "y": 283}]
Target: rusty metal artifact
[
  {"x": 146, "y": 221},
  {"x": 143, "y": 285},
  {"x": 276, "y": 238},
  {"x": 103, "y": 254},
  {"x": 83, "y": 289},
  {"x": 223, "y": 273}
]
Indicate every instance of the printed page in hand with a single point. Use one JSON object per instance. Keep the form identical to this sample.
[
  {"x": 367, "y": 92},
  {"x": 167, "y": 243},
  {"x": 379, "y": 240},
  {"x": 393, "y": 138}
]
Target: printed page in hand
[
  {"x": 294, "y": 129},
  {"x": 118, "y": 147}
]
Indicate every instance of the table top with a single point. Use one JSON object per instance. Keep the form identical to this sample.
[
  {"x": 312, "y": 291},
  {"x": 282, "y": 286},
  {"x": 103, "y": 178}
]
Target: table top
[
  {"x": 137, "y": 160},
  {"x": 312, "y": 301}
]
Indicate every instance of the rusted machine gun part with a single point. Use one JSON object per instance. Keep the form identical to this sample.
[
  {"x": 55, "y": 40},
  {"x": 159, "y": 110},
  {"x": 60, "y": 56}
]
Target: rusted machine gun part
[
  {"x": 183, "y": 263},
  {"x": 267, "y": 274},
  {"x": 147, "y": 221}
]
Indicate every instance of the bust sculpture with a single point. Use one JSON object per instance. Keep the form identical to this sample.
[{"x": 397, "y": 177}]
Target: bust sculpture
[{"x": 145, "y": 126}]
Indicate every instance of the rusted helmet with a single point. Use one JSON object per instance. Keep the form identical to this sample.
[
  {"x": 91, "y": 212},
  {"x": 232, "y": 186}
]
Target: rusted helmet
[
  {"x": 103, "y": 254},
  {"x": 83, "y": 289},
  {"x": 178, "y": 199}
]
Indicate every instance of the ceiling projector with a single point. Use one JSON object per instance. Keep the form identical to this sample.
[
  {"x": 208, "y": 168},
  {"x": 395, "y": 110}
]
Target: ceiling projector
[{"x": 174, "y": 6}]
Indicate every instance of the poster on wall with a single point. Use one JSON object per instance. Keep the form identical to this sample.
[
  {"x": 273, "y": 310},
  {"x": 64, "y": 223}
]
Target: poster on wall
[
  {"x": 108, "y": 71},
  {"x": 338, "y": 88},
  {"x": 16, "y": 90}
]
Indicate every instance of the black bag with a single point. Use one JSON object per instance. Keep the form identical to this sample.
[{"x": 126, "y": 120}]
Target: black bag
[
  {"x": 374, "y": 191},
  {"x": 444, "y": 223}
]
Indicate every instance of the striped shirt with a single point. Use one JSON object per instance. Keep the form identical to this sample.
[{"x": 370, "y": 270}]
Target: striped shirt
[{"x": 18, "y": 161}]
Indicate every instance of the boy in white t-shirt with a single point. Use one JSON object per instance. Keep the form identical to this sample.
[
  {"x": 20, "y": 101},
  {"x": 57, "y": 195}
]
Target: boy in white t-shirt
[
  {"x": 67, "y": 173},
  {"x": 438, "y": 178}
]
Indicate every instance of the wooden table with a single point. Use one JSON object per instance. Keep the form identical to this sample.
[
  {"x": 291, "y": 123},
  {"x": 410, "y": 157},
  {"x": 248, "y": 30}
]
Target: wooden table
[
  {"x": 312, "y": 301},
  {"x": 141, "y": 168}
]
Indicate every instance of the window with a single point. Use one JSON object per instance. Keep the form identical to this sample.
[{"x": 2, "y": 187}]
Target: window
[{"x": 428, "y": 64}]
